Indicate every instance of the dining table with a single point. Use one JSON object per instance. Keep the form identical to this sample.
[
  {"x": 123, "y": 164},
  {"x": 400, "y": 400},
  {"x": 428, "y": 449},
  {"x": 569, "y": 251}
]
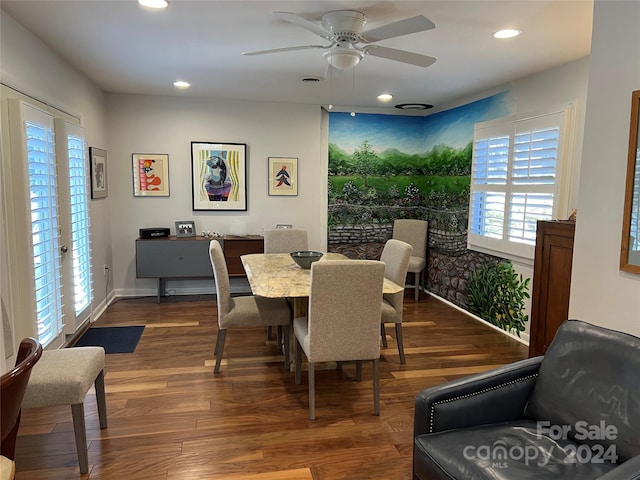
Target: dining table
[{"x": 276, "y": 275}]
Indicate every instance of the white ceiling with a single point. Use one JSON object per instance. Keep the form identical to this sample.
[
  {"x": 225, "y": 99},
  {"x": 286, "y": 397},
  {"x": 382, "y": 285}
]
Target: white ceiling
[{"x": 126, "y": 48}]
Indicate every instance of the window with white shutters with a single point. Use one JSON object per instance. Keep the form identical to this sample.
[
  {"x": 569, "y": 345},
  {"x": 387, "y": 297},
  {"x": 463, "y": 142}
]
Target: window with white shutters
[
  {"x": 44, "y": 226},
  {"x": 80, "y": 244},
  {"x": 515, "y": 178}
]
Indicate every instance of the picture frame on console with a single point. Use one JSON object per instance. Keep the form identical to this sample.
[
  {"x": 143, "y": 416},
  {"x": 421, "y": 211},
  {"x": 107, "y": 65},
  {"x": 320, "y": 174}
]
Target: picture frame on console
[
  {"x": 219, "y": 176},
  {"x": 185, "y": 228}
]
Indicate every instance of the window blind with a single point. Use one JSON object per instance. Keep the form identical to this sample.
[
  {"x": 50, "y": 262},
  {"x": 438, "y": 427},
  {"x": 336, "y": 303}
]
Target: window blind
[
  {"x": 44, "y": 227},
  {"x": 81, "y": 247},
  {"x": 515, "y": 176}
]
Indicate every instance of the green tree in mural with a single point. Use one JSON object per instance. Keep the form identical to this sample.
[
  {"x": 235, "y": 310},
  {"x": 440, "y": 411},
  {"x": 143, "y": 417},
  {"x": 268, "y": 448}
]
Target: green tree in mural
[
  {"x": 339, "y": 161},
  {"x": 365, "y": 160}
]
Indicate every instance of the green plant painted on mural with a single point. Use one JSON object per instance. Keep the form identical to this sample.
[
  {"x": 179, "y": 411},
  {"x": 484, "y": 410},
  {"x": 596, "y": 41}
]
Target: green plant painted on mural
[
  {"x": 364, "y": 160},
  {"x": 496, "y": 293}
]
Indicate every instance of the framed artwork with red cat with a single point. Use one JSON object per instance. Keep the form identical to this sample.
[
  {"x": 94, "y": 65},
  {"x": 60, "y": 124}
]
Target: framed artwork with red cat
[{"x": 150, "y": 175}]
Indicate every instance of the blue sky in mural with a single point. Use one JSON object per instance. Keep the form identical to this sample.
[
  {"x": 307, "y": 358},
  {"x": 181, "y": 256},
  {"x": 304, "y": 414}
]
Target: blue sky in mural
[
  {"x": 455, "y": 127},
  {"x": 382, "y": 131},
  {"x": 414, "y": 134}
]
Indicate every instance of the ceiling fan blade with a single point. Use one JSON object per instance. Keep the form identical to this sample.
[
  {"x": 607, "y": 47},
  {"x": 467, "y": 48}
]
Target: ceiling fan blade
[
  {"x": 284, "y": 49},
  {"x": 415, "y": 24},
  {"x": 399, "y": 55},
  {"x": 304, "y": 23}
]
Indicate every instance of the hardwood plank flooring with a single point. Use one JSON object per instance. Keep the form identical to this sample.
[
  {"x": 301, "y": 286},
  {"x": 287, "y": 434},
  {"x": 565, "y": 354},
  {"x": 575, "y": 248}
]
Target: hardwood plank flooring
[{"x": 171, "y": 418}]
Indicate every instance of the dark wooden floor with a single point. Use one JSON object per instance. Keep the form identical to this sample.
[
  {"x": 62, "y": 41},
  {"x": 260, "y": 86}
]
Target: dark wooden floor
[{"x": 171, "y": 418}]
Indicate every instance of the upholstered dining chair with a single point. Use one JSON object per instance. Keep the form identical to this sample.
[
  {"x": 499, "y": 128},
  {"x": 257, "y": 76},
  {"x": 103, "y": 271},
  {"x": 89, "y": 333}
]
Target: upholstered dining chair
[
  {"x": 395, "y": 256},
  {"x": 244, "y": 311},
  {"x": 343, "y": 320},
  {"x": 414, "y": 232},
  {"x": 12, "y": 388},
  {"x": 285, "y": 240}
]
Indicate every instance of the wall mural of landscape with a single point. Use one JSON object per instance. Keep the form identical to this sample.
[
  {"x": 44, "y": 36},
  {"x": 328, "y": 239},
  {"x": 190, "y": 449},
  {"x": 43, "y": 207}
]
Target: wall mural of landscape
[{"x": 384, "y": 167}]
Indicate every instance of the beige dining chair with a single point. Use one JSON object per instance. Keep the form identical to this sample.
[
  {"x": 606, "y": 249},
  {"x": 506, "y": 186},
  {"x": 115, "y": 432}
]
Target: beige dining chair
[
  {"x": 343, "y": 321},
  {"x": 395, "y": 256},
  {"x": 285, "y": 240},
  {"x": 243, "y": 311},
  {"x": 414, "y": 232}
]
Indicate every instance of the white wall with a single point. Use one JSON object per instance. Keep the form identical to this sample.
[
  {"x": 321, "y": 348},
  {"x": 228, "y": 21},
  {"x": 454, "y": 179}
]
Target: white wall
[
  {"x": 31, "y": 67},
  {"x": 566, "y": 84},
  {"x": 149, "y": 124},
  {"x": 600, "y": 292}
]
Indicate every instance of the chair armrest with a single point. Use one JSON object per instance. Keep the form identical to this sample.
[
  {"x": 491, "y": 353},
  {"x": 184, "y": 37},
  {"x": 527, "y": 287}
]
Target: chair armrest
[
  {"x": 629, "y": 470},
  {"x": 498, "y": 395}
]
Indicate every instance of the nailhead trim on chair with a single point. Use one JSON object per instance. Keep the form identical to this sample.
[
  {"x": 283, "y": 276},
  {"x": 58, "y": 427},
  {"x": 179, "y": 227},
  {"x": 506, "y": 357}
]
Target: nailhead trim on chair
[{"x": 468, "y": 395}]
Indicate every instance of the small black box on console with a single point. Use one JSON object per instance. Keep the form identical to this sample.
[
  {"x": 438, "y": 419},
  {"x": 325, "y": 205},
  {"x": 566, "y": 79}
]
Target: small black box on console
[{"x": 157, "y": 232}]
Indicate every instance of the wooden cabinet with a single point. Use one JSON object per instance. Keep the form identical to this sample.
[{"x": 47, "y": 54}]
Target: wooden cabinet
[
  {"x": 551, "y": 282},
  {"x": 173, "y": 257},
  {"x": 234, "y": 247}
]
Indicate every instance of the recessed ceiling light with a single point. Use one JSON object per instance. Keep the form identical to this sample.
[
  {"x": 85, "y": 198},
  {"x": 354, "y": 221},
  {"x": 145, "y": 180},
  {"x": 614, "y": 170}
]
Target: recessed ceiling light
[
  {"x": 414, "y": 106},
  {"x": 154, "y": 3},
  {"x": 385, "y": 97},
  {"x": 181, "y": 84},
  {"x": 506, "y": 33}
]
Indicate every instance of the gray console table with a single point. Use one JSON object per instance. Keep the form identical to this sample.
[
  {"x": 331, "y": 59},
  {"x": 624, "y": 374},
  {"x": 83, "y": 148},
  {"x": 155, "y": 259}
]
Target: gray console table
[{"x": 188, "y": 257}]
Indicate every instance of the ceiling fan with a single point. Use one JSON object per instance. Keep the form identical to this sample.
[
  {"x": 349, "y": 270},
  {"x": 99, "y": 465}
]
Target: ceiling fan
[{"x": 345, "y": 30}]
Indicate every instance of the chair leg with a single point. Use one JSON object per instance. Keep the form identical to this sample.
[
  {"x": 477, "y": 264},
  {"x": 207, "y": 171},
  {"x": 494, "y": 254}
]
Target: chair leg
[
  {"x": 312, "y": 392},
  {"x": 79, "y": 429},
  {"x": 416, "y": 281},
  {"x": 101, "y": 399},
  {"x": 269, "y": 333},
  {"x": 400, "y": 343},
  {"x": 222, "y": 334},
  {"x": 383, "y": 335},
  {"x": 298, "y": 353},
  {"x": 285, "y": 345},
  {"x": 358, "y": 370},
  {"x": 376, "y": 386},
  {"x": 215, "y": 350}
]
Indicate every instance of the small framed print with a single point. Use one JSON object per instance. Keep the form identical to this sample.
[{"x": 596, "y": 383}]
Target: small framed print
[
  {"x": 283, "y": 176},
  {"x": 150, "y": 175},
  {"x": 185, "y": 228},
  {"x": 98, "y": 169}
]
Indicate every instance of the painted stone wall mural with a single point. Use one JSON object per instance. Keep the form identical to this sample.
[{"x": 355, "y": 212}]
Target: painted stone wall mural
[{"x": 385, "y": 167}]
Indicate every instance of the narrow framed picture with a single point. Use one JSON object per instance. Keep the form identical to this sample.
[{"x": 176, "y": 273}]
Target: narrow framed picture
[
  {"x": 150, "y": 175},
  {"x": 219, "y": 176},
  {"x": 185, "y": 228},
  {"x": 283, "y": 176},
  {"x": 98, "y": 171}
]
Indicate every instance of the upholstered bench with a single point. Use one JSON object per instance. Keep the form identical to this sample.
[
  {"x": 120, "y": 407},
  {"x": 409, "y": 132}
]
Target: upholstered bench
[{"x": 63, "y": 377}]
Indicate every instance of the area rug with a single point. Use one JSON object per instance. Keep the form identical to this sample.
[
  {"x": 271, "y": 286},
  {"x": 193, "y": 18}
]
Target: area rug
[{"x": 112, "y": 339}]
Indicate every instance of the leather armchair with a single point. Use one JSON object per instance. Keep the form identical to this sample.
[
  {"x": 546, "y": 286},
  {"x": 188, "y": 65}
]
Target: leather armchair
[{"x": 572, "y": 414}]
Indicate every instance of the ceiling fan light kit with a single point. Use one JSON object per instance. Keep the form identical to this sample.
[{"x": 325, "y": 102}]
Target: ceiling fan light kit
[{"x": 343, "y": 57}]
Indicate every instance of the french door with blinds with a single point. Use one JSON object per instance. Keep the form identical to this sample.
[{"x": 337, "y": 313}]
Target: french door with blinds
[{"x": 51, "y": 217}]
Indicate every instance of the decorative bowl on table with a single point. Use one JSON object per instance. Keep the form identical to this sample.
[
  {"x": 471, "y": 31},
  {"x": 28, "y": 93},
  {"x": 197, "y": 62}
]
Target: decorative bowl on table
[{"x": 304, "y": 258}]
